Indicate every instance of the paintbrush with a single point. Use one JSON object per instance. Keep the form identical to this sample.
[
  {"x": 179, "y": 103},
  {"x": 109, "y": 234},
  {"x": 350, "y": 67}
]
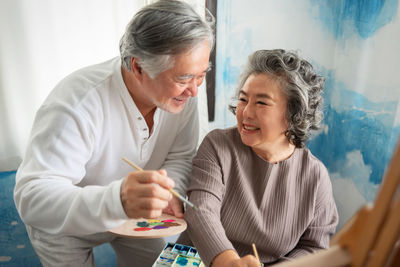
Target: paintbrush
[
  {"x": 255, "y": 252},
  {"x": 170, "y": 190}
]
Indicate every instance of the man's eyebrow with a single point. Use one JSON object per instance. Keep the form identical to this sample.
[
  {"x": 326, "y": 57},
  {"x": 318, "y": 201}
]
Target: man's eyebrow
[
  {"x": 185, "y": 76},
  {"x": 190, "y": 76}
]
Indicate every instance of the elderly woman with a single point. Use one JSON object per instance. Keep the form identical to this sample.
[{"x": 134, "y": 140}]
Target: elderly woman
[{"x": 256, "y": 182}]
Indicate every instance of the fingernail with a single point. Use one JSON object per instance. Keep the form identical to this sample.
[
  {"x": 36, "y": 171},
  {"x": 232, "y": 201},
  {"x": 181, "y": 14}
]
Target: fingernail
[{"x": 171, "y": 183}]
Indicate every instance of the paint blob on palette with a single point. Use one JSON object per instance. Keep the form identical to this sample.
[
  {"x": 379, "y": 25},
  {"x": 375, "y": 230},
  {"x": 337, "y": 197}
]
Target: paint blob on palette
[
  {"x": 165, "y": 225},
  {"x": 152, "y": 224},
  {"x": 175, "y": 255}
]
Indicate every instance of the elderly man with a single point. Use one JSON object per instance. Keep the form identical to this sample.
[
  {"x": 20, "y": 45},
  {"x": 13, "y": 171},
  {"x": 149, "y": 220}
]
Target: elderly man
[{"x": 72, "y": 186}]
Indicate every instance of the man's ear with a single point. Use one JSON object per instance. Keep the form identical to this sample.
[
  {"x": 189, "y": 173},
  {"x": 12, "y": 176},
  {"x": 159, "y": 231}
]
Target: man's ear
[{"x": 136, "y": 68}]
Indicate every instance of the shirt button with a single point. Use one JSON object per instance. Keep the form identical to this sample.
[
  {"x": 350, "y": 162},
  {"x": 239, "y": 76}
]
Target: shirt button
[
  {"x": 144, "y": 129},
  {"x": 139, "y": 118}
]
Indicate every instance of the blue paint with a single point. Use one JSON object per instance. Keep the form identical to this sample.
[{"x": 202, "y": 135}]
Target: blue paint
[
  {"x": 352, "y": 129},
  {"x": 365, "y": 17},
  {"x": 230, "y": 42},
  {"x": 182, "y": 261},
  {"x": 230, "y": 75}
]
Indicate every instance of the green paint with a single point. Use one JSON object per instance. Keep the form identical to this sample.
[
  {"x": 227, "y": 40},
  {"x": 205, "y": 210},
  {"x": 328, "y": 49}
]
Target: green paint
[
  {"x": 156, "y": 223},
  {"x": 142, "y": 224}
]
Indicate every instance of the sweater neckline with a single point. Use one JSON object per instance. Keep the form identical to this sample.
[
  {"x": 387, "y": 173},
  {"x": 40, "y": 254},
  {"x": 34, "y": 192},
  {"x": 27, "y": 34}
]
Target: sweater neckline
[
  {"x": 282, "y": 162},
  {"x": 285, "y": 161}
]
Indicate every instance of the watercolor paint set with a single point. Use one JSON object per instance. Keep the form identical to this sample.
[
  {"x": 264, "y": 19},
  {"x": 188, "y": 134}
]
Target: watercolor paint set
[{"x": 178, "y": 255}]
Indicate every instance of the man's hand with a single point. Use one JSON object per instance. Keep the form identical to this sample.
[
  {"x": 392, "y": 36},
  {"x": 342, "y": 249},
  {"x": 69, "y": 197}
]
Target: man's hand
[{"x": 145, "y": 193}]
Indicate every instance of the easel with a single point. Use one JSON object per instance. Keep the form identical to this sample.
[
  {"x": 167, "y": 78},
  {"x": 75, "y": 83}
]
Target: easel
[{"x": 371, "y": 237}]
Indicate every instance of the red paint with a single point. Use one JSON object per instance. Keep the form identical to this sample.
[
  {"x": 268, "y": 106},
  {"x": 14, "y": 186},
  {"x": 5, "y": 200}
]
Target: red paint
[
  {"x": 142, "y": 229},
  {"x": 168, "y": 220}
]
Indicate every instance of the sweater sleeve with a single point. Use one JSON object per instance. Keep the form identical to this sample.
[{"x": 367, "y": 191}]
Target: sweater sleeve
[
  {"x": 179, "y": 159},
  {"x": 323, "y": 225},
  {"x": 207, "y": 192},
  {"x": 47, "y": 195}
]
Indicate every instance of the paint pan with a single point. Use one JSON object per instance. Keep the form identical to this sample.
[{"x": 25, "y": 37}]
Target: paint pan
[
  {"x": 192, "y": 252},
  {"x": 183, "y": 260},
  {"x": 175, "y": 255},
  {"x": 169, "y": 246},
  {"x": 184, "y": 250},
  {"x": 177, "y": 248}
]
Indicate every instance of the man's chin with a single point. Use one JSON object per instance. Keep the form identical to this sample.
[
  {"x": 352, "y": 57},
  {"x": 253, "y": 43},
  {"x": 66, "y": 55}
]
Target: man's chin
[{"x": 174, "y": 109}]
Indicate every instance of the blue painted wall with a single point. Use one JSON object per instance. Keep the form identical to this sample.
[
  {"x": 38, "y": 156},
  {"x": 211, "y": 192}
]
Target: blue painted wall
[
  {"x": 354, "y": 45},
  {"x": 364, "y": 16}
]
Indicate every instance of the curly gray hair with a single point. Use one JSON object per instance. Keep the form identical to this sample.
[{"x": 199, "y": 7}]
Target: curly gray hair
[
  {"x": 301, "y": 85},
  {"x": 161, "y": 30}
]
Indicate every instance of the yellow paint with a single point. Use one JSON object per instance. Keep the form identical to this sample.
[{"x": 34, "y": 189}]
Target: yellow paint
[{"x": 153, "y": 221}]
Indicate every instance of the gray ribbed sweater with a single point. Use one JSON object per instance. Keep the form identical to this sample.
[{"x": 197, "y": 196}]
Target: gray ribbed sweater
[{"x": 287, "y": 209}]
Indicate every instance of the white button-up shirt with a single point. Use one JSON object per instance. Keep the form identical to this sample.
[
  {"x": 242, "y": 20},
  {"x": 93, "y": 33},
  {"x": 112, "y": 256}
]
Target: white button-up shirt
[{"x": 69, "y": 181}]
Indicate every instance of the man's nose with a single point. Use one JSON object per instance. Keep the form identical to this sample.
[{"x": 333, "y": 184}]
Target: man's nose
[{"x": 192, "y": 89}]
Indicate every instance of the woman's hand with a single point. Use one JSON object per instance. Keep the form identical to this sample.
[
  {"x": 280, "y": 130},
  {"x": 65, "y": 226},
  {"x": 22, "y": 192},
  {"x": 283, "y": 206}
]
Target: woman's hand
[
  {"x": 175, "y": 207},
  {"x": 230, "y": 258},
  {"x": 246, "y": 261}
]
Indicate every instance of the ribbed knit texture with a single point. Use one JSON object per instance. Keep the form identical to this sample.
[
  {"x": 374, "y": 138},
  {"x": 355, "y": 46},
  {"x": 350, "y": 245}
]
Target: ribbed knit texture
[{"x": 287, "y": 209}]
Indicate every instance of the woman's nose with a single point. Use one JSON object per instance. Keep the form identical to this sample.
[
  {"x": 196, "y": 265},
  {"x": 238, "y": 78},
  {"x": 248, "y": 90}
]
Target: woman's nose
[{"x": 248, "y": 111}]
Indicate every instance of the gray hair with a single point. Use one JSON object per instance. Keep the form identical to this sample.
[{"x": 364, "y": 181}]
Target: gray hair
[
  {"x": 301, "y": 85},
  {"x": 160, "y": 31}
]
